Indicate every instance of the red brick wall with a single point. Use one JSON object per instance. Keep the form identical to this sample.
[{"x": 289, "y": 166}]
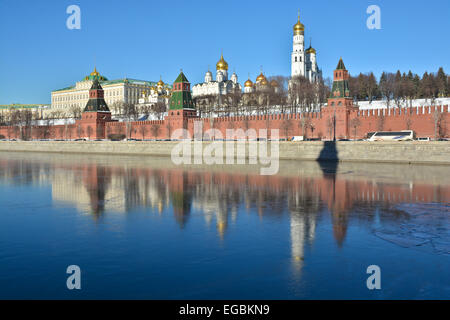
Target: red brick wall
[{"x": 420, "y": 119}]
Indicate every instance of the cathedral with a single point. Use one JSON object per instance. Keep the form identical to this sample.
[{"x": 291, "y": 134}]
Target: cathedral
[
  {"x": 220, "y": 86},
  {"x": 160, "y": 93},
  {"x": 261, "y": 85},
  {"x": 303, "y": 62}
]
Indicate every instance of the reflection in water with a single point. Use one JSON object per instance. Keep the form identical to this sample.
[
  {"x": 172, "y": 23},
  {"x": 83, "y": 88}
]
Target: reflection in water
[{"x": 302, "y": 190}]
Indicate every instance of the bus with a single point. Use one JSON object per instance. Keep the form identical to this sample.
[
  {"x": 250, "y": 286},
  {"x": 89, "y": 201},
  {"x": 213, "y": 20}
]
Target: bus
[{"x": 404, "y": 135}]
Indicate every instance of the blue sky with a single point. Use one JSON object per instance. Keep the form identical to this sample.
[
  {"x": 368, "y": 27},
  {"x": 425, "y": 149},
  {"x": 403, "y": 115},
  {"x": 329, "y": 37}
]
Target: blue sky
[{"x": 146, "y": 39}]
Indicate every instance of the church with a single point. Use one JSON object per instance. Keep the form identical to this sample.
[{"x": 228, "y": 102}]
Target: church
[
  {"x": 303, "y": 62},
  {"x": 221, "y": 86}
]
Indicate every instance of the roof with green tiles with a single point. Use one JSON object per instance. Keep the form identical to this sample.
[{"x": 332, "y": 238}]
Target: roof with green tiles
[
  {"x": 96, "y": 104},
  {"x": 340, "y": 88},
  {"x": 340, "y": 65},
  {"x": 181, "y": 78},
  {"x": 181, "y": 99},
  {"x": 119, "y": 81}
]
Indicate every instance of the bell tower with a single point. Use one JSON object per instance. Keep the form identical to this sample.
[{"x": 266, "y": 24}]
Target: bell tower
[{"x": 298, "y": 52}]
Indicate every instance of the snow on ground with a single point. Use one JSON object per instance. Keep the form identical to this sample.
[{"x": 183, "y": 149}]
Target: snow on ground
[{"x": 366, "y": 105}]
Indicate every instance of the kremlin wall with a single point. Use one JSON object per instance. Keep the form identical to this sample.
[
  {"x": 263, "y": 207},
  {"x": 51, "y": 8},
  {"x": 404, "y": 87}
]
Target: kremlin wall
[{"x": 339, "y": 119}]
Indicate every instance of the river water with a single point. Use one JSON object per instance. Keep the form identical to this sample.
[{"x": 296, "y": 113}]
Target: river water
[{"x": 141, "y": 227}]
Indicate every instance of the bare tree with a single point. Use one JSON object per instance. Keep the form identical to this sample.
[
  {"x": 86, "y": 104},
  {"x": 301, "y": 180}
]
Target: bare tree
[
  {"x": 130, "y": 112},
  {"x": 128, "y": 128},
  {"x": 155, "y": 130},
  {"x": 118, "y": 108},
  {"x": 89, "y": 132},
  {"x": 75, "y": 112},
  {"x": 159, "y": 109},
  {"x": 69, "y": 132},
  {"x": 79, "y": 131},
  {"x": 26, "y": 117},
  {"x": 437, "y": 119},
  {"x": 380, "y": 123},
  {"x": 143, "y": 130},
  {"x": 303, "y": 94},
  {"x": 408, "y": 121},
  {"x": 169, "y": 129},
  {"x": 108, "y": 131},
  {"x": 287, "y": 125},
  {"x": 61, "y": 132},
  {"x": 355, "y": 123},
  {"x": 305, "y": 123},
  {"x": 330, "y": 126}
]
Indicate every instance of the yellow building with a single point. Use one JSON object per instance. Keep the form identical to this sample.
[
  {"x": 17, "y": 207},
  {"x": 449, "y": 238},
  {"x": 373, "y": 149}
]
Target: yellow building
[{"x": 116, "y": 92}]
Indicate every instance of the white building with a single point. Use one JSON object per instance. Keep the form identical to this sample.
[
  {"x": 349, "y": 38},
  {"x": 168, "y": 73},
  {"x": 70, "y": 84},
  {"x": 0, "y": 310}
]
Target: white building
[
  {"x": 220, "y": 86},
  {"x": 303, "y": 62},
  {"x": 116, "y": 91},
  {"x": 157, "y": 94}
]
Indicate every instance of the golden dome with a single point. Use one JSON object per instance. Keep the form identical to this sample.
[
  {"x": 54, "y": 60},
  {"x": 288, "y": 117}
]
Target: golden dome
[
  {"x": 264, "y": 82},
  {"x": 299, "y": 28},
  {"x": 160, "y": 83},
  {"x": 222, "y": 64},
  {"x": 274, "y": 83},
  {"x": 248, "y": 83},
  {"x": 260, "y": 78},
  {"x": 311, "y": 50},
  {"x": 95, "y": 72}
]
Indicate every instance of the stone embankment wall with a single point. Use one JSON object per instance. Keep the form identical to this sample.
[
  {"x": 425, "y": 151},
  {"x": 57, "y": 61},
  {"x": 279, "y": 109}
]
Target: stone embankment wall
[{"x": 363, "y": 151}]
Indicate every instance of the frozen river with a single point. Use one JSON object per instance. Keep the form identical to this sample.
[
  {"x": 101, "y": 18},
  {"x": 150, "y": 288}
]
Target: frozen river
[{"x": 140, "y": 227}]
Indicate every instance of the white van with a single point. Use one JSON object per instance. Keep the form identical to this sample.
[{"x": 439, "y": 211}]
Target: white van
[{"x": 404, "y": 135}]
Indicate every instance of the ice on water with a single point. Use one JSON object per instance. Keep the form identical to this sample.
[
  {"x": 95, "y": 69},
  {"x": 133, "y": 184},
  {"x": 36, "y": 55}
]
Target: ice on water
[{"x": 426, "y": 226}]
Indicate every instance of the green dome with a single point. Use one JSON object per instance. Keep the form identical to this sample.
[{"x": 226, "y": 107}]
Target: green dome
[{"x": 95, "y": 75}]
